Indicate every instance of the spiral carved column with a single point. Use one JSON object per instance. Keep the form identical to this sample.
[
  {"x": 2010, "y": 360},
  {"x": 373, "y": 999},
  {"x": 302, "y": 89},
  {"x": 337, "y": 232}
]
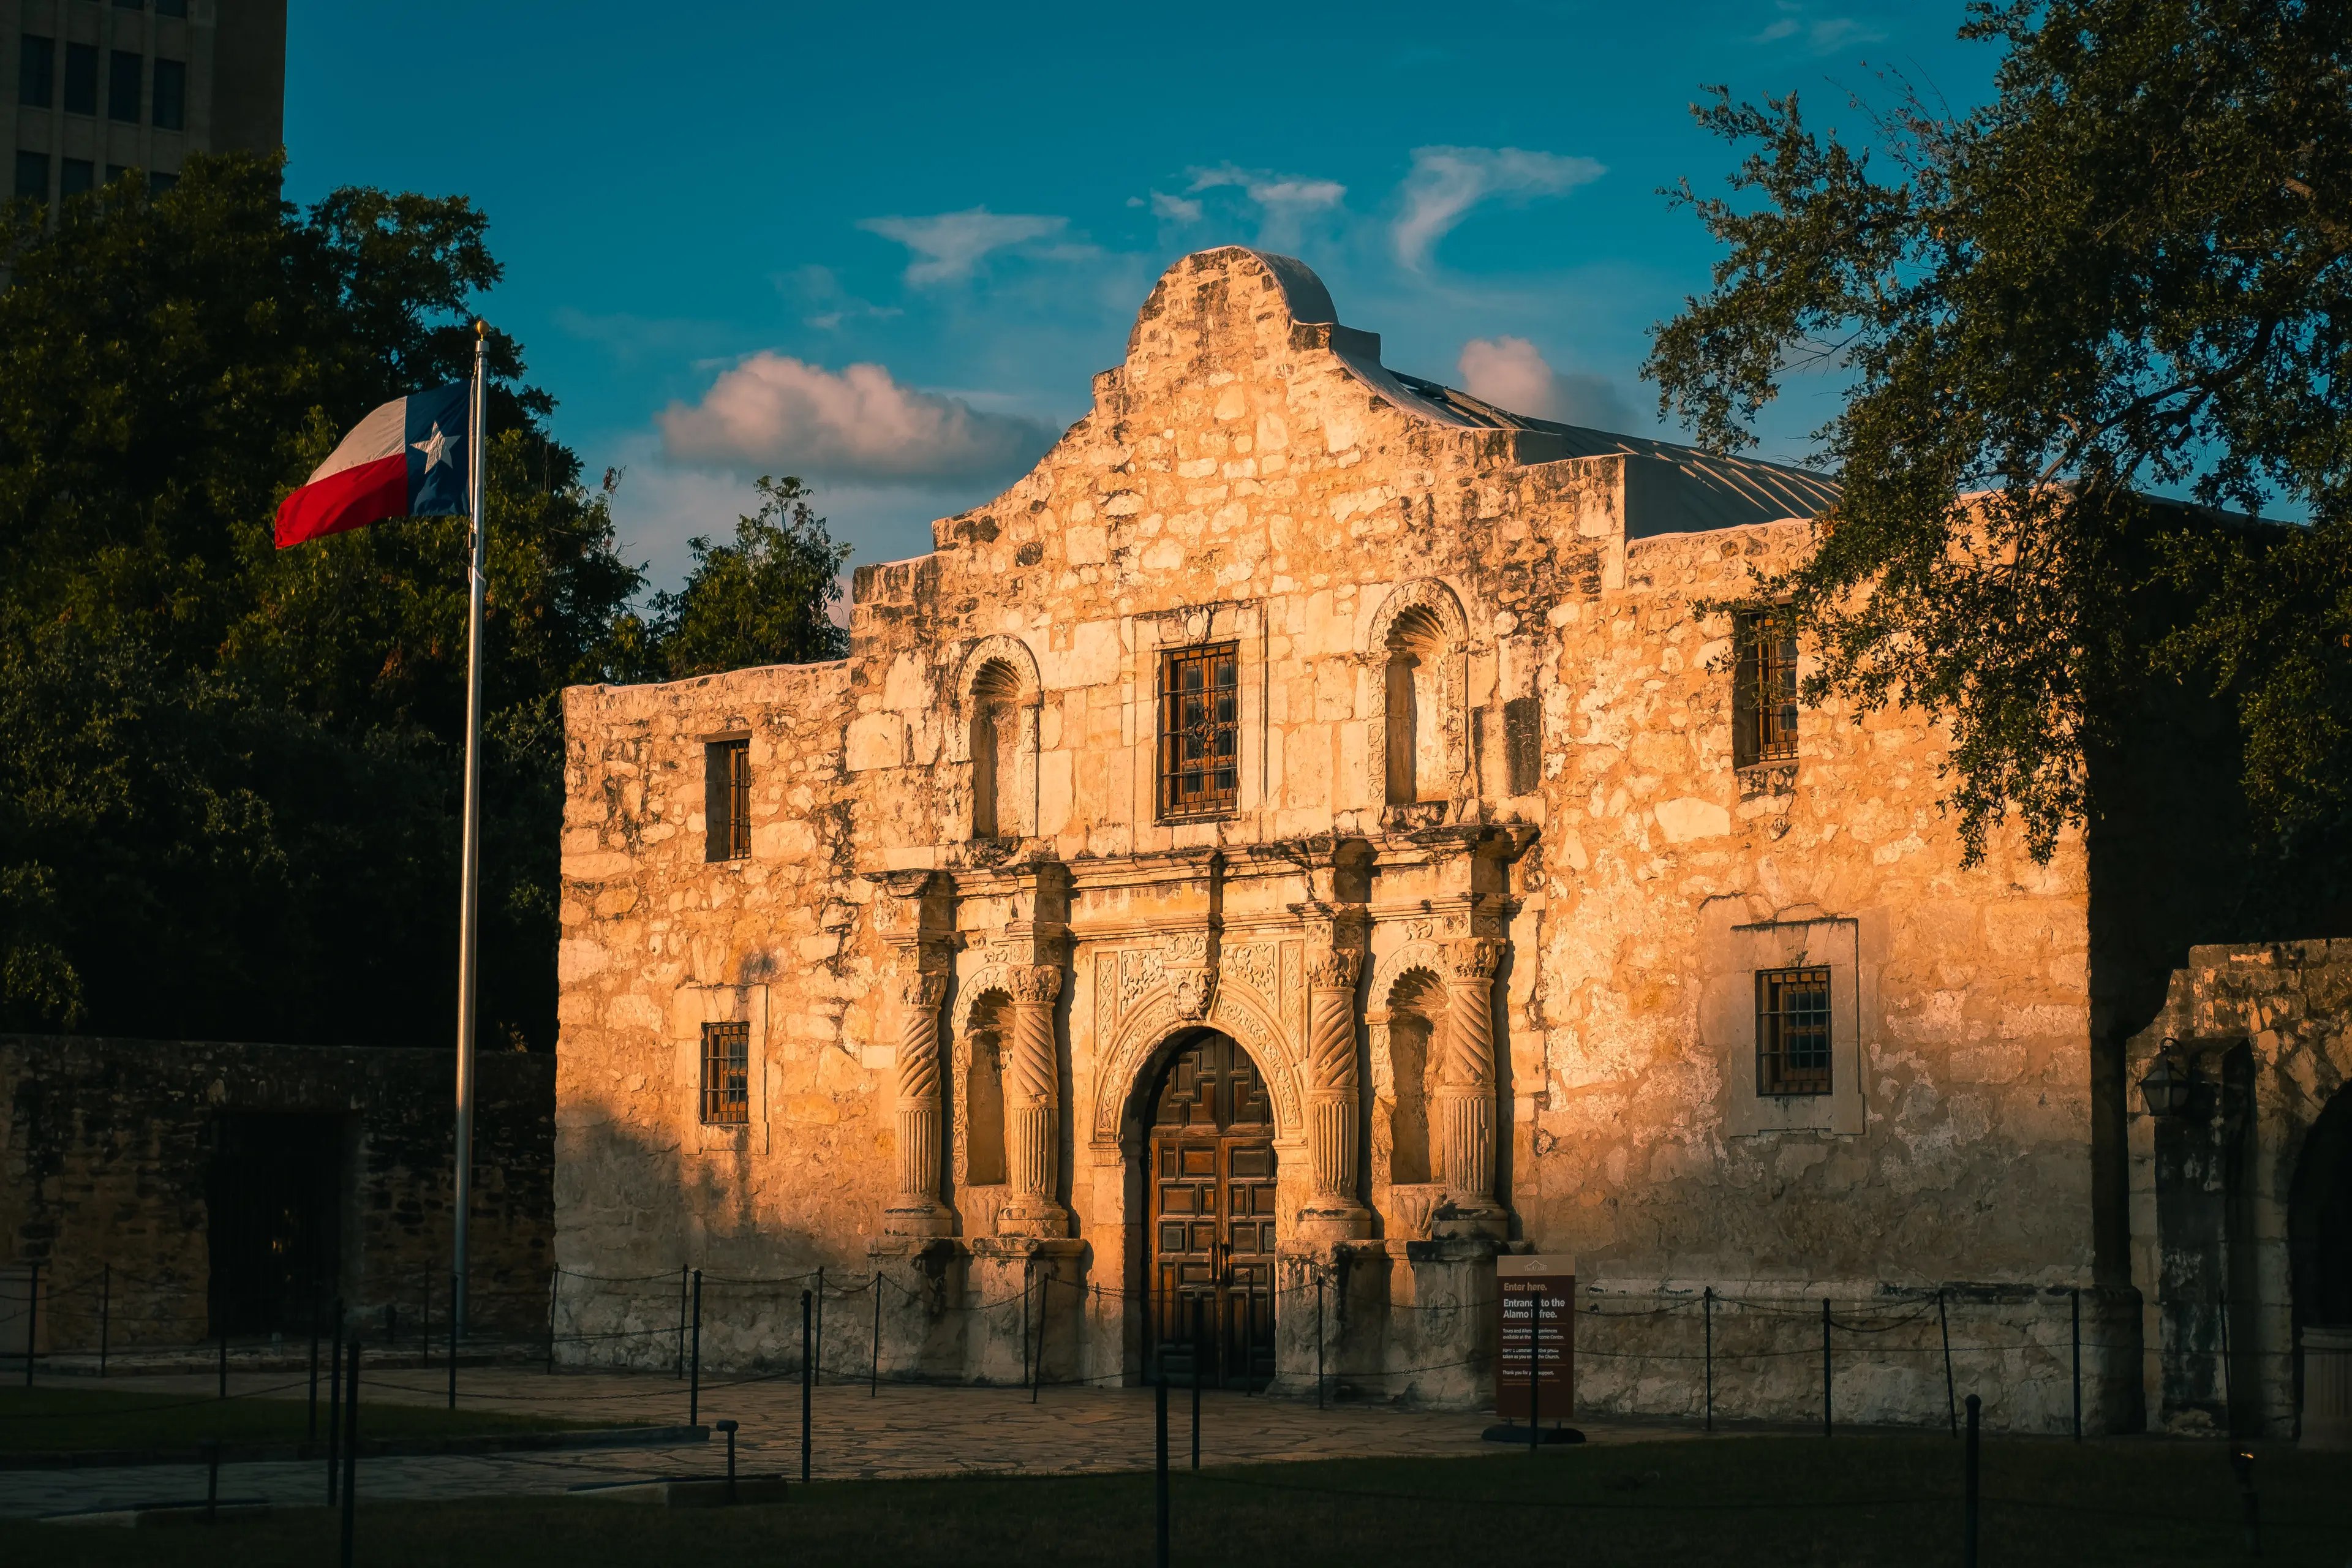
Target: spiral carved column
[
  {"x": 1465, "y": 1091},
  {"x": 1334, "y": 1131},
  {"x": 1031, "y": 1099},
  {"x": 918, "y": 1211}
]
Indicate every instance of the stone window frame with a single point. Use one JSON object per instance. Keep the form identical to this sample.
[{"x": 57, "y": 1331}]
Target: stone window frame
[
  {"x": 1029, "y": 701},
  {"x": 691, "y": 1007},
  {"x": 1438, "y": 597},
  {"x": 1733, "y": 949},
  {"x": 1749, "y": 753},
  {"x": 1243, "y": 623}
]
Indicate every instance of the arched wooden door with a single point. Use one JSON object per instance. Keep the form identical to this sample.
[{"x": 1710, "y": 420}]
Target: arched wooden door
[{"x": 1212, "y": 1194}]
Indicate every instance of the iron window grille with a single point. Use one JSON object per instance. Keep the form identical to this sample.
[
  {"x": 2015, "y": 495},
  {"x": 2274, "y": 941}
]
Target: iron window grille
[
  {"x": 726, "y": 1075},
  {"x": 1764, "y": 690},
  {"x": 1200, "y": 730},
  {"x": 726, "y": 800},
  {"x": 1792, "y": 1031}
]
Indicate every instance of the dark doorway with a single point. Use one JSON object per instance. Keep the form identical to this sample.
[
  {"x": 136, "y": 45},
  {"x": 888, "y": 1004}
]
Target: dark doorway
[
  {"x": 275, "y": 1204},
  {"x": 2319, "y": 1220},
  {"x": 1213, "y": 1199}
]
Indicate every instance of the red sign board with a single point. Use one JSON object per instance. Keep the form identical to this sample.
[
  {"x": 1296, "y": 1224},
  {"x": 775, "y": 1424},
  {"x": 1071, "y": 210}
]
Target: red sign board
[{"x": 1535, "y": 1341}]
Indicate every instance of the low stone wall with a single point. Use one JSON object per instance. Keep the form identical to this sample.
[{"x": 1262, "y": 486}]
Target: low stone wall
[
  {"x": 108, "y": 1156},
  {"x": 1643, "y": 1349}
]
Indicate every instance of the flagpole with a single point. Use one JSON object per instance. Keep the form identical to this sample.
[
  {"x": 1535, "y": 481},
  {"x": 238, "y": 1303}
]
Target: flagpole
[{"x": 469, "y": 871}]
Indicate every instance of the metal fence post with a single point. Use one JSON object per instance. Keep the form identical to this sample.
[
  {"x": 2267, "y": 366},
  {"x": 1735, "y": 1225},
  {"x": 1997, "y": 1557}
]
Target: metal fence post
[
  {"x": 1826, "y": 1366},
  {"x": 808, "y": 1381},
  {"x": 1944, "y": 1324},
  {"x": 2077, "y": 1295},
  {"x": 874, "y": 1372},
  {"x": 1319, "y": 1337},
  {"x": 1968, "y": 1490},
  {"x": 335, "y": 1410},
  {"x": 694, "y": 1383},
  {"x": 310, "y": 1425},
  {"x": 1708, "y": 1303},
  {"x": 453, "y": 1341},
  {"x": 1199, "y": 1361},
  {"x": 554, "y": 1291},
  {"x": 351, "y": 1452},
  {"x": 1159, "y": 1458}
]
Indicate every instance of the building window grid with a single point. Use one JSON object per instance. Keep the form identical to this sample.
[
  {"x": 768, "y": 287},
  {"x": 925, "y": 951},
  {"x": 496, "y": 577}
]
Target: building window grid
[
  {"x": 726, "y": 1075},
  {"x": 37, "y": 70},
  {"x": 1200, "y": 730},
  {"x": 726, "y": 800},
  {"x": 169, "y": 109},
  {"x": 1764, "y": 691},
  {"x": 82, "y": 78},
  {"x": 1792, "y": 1031},
  {"x": 125, "y": 75}
]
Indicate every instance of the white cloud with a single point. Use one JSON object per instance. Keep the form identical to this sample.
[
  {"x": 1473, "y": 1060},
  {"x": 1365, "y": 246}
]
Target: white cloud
[
  {"x": 829, "y": 304},
  {"x": 1175, "y": 209},
  {"x": 1823, "y": 35},
  {"x": 1286, "y": 193},
  {"x": 951, "y": 244},
  {"x": 1447, "y": 181},
  {"x": 1512, "y": 374},
  {"x": 773, "y": 414}
]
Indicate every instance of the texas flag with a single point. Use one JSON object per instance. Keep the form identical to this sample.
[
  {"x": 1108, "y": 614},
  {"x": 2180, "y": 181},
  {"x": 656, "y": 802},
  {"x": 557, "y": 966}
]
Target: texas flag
[{"x": 405, "y": 460}]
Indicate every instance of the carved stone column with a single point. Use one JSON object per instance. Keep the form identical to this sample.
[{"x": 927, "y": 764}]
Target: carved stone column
[
  {"x": 1031, "y": 1099},
  {"x": 1465, "y": 1091},
  {"x": 1334, "y": 1105},
  {"x": 917, "y": 1210}
]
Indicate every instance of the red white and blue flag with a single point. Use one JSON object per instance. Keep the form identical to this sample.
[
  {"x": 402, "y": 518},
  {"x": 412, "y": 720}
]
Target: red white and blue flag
[{"x": 405, "y": 460}]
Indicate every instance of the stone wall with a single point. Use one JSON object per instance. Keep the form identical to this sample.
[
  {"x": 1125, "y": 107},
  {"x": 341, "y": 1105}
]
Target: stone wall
[
  {"x": 2234, "y": 1246},
  {"x": 1553, "y": 925},
  {"x": 109, "y": 1147}
]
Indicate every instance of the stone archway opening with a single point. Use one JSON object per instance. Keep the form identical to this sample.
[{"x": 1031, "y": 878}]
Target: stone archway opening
[
  {"x": 2319, "y": 1220},
  {"x": 1202, "y": 1185}
]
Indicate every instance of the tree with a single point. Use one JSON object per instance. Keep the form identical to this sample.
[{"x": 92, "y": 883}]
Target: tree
[
  {"x": 228, "y": 774},
  {"x": 2131, "y": 271},
  {"x": 765, "y": 599}
]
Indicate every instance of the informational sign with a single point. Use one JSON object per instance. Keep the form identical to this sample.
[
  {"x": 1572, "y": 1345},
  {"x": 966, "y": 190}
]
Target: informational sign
[{"x": 1536, "y": 1337}]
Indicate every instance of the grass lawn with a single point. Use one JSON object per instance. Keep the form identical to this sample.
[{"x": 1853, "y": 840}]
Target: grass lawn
[
  {"x": 48, "y": 1419},
  {"x": 1853, "y": 1499}
]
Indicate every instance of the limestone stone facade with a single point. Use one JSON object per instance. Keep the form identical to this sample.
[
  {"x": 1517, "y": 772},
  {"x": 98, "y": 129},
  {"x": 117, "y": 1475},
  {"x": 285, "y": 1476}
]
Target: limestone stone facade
[{"x": 1483, "y": 893}]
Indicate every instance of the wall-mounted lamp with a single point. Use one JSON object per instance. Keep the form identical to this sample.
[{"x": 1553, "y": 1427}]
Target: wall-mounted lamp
[{"x": 2168, "y": 1083}]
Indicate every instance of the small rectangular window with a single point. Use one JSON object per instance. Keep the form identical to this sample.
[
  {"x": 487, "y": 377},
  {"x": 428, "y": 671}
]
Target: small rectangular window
[
  {"x": 82, "y": 78},
  {"x": 1792, "y": 1031},
  {"x": 171, "y": 7},
  {"x": 37, "y": 70},
  {"x": 726, "y": 1073},
  {"x": 170, "y": 108},
  {"x": 33, "y": 175},
  {"x": 76, "y": 175},
  {"x": 157, "y": 183},
  {"x": 122, "y": 82},
  {"x": 1764, "y": 690},
  {"x": 726, "y": 800},
  {"x": 115, "y": 172},
  {"x": 1200, "y": 730}
]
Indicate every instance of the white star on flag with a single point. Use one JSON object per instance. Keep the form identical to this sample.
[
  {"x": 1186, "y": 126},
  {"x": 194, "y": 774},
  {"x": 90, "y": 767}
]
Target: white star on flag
[{"x": 435, "y": 447}]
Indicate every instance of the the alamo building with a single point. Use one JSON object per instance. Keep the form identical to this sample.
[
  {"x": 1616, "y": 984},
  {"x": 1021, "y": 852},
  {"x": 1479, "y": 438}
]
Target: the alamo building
[{"x": 1301, "y": 844}]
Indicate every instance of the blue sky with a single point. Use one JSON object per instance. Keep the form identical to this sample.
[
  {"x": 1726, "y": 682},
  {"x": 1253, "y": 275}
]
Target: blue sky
[{"x": 886, "y": 250}]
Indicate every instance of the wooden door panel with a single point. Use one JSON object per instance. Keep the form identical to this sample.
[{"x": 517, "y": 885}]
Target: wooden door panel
[{"x": 1213, "y": 1228}]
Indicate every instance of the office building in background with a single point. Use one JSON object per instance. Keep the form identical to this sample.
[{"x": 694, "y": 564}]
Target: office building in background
[{"x": 90, "y": 89}]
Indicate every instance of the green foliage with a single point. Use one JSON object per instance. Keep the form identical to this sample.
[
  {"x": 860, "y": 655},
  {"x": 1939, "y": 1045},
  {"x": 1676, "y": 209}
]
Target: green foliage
[
  {"x": 761, "y": 600},
  {"x": 2132, "y": 271},
  {"x": 230, "y": 774}
]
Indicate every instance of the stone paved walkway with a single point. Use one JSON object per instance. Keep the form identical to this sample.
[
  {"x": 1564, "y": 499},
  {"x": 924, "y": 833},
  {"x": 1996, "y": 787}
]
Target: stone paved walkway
[{"x": 901, "y": 1431}]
